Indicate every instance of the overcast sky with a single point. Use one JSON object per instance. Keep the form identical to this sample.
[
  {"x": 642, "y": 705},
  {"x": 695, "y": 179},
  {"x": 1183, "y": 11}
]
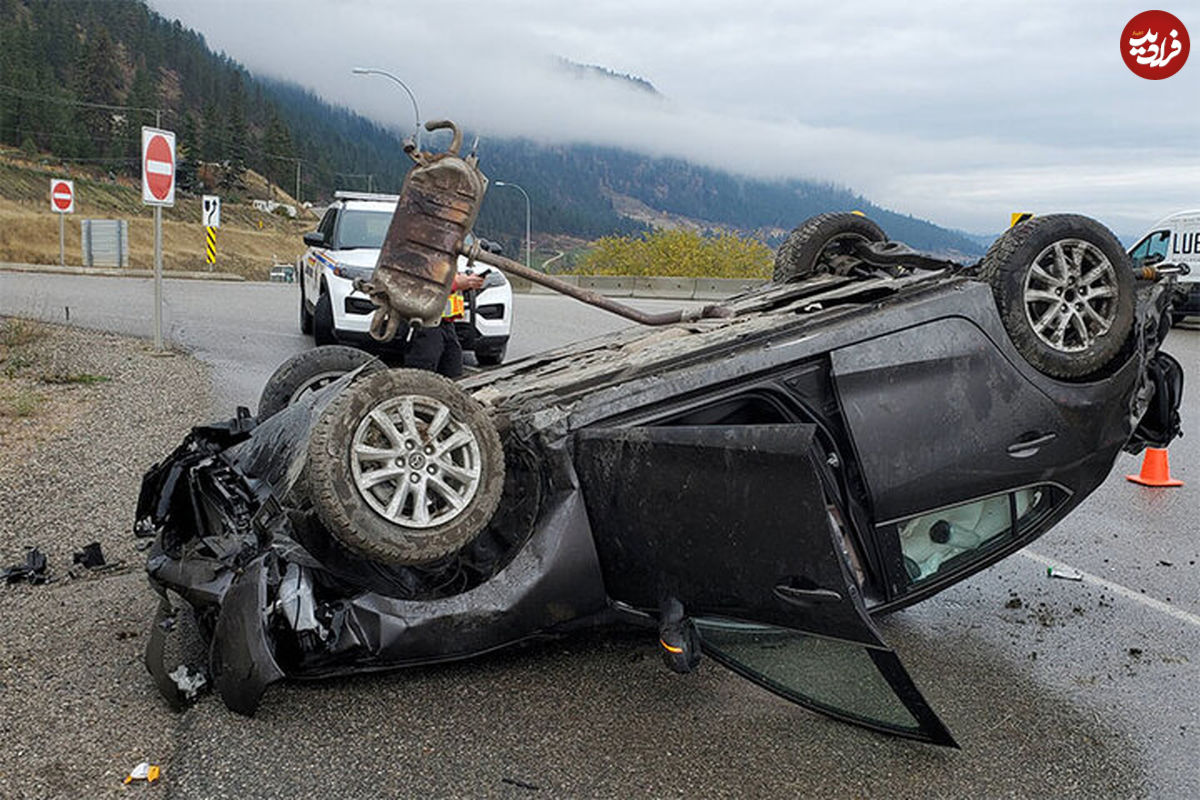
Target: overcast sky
[{"x": 959, "y": 112}]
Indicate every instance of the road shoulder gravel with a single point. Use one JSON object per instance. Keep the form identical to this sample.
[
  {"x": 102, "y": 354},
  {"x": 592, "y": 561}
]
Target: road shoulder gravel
[{"x": 78, "y": 706}]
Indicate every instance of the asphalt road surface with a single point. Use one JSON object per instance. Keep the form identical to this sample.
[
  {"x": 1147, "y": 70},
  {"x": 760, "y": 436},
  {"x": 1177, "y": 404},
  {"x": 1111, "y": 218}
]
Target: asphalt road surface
[
  {"x": 1054, "y": 688},
  {"x": 245, "y": 330}
]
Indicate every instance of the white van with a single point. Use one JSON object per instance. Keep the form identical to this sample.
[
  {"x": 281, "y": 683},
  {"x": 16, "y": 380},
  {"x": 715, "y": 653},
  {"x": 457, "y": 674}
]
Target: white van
[{"x": 1177, "y": 240}]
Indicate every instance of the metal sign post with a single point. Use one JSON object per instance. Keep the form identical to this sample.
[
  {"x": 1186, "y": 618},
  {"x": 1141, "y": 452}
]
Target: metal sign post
[
  {"x": 158, "y": 190},
  {"x": 62, "y": 202}
]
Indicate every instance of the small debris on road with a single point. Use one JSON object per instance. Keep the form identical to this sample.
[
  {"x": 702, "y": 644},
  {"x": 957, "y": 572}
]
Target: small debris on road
[
  {"x": 1064, "y": 574},
  {"x": 522, "y": 784},
  {"x": 190, "y": 681},
  {"x": 33, "y": 569},
  {"x": 91, "y": 556},
  {"x": 144, "y": 771}
]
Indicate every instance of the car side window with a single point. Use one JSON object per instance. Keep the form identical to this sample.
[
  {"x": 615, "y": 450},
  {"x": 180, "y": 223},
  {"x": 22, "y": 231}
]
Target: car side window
[
  {"x": 326, "y": 226},
  {"x": 1156, "y": 243},
  {"x": 1159, "y": 243},
  {"x": 951, "y": 537}
]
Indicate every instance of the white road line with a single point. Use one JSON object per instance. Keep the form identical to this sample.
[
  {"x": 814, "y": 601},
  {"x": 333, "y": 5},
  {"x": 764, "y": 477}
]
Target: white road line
[
  {"x": 158, "y": 167},
  {"x": 1116, "y": 588}
]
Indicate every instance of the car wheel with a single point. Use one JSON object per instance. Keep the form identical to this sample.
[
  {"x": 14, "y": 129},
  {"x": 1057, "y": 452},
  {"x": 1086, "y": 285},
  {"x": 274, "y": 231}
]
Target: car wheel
[
  {"x": 491, "y": 356},
  {"x": 823, "y": 244},
  {"x": 306, "y": 319},
  {"x": 323, "y": 321},
  {"x": 1064, "y": 288},
  {"x": 404, "y": 467},
  {"x": 308, "y": 371}
]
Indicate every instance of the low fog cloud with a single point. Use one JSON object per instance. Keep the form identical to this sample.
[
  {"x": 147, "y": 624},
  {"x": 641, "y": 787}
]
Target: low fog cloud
[{"x": 956, "y": 112}]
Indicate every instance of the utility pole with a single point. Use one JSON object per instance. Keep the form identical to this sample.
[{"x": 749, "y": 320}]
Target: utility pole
[{"x": 297, "y": 183}]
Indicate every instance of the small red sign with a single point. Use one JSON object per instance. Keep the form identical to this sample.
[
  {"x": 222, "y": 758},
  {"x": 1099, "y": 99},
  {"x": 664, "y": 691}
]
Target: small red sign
[
  {"x": 62, "y": 195},
  {"x": 1155, "y": 45},
  {"x": 159, "y": 167}
]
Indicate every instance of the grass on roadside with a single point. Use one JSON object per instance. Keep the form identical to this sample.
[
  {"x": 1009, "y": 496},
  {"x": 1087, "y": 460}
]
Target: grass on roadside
[
  {"x": 79, "y": 378},
  {"x": 20, "y": 402},
  {"x": 24, "y": 368}
]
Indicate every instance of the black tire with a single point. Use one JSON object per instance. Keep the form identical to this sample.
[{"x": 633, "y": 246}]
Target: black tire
[
  {"x": 491, "y": 356},
  {"x": 323, "y": 321},
  {"x": 821, "y": 244},
  {"x": 362, "y": 525},
  {"x": 306, "y": 319},
  {"x": 1095, "y": 330},
  {"x": 310, "y": 370}
]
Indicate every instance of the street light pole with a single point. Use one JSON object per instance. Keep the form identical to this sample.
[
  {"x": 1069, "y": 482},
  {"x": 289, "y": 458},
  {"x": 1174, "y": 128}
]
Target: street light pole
[
  {"x": 528, "y": 237},
  {"x": 404, "y": 86}
]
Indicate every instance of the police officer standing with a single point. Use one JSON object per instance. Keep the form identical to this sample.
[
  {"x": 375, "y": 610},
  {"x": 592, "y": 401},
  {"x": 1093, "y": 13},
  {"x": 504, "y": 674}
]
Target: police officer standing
[{"x": 438, "y": 349}]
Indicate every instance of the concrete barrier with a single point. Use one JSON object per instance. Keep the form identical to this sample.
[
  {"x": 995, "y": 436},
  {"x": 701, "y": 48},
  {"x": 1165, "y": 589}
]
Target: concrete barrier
[
  {"x": 110, "y": 272},
  {"x": 608, "y": 285},
  {"x": 670, "y": 288},
  {"x": 722, "y": 288}
]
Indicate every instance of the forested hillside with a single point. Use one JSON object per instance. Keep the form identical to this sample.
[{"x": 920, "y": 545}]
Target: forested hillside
[{"x": 78, "y": 80}]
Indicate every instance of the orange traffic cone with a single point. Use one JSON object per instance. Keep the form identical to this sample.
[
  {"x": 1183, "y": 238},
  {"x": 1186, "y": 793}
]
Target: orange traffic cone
[{"x": 1155, "y": 470}]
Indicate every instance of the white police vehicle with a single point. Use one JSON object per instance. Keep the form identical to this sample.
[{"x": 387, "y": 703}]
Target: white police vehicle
[{"x": 346, "y": 246}]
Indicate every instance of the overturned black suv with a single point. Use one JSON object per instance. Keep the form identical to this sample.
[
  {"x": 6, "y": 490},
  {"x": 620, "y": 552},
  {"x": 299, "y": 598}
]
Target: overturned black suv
[{"x": 755, "y": 484}]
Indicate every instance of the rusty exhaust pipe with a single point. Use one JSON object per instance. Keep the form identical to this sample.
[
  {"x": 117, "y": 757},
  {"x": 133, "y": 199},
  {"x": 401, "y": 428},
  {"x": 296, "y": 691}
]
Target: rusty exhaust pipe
[
  {"x": 476, "y": 253},
  {"x": 418, "y": 260}
]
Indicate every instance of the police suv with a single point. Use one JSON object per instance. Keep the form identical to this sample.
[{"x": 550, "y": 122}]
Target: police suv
[{"x": 346, "y": 246}]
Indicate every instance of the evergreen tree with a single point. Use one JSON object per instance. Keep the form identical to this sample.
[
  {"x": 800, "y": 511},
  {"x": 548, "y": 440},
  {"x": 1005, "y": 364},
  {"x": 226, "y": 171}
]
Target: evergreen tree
[{"x": 98, "y": 80}]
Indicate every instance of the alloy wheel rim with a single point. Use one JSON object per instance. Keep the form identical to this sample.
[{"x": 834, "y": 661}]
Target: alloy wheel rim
[
  {"x": 1070, "y": 295},
  {"x": 414, "y": 463}
]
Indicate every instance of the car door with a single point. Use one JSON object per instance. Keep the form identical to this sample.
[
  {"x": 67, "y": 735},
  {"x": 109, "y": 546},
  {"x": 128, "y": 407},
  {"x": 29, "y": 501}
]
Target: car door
[
  {"x": 313, "y": 266},
  {"x": 733, "y": 522}
]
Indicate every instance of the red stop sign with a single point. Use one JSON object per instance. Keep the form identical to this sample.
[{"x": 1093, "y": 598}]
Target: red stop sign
[
  {"x": 159, "y": 167},
  {"x": 61, "y": 195}
]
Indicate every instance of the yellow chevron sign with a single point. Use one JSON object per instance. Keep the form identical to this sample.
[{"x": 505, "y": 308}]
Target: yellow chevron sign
[
  {"x": 211, "y": 250},
  {"x": 1019, "y": 216}
]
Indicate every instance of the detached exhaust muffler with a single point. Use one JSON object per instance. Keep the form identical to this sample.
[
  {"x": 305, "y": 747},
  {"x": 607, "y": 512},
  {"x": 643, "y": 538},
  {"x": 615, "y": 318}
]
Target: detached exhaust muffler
[{"x": 438, "y": 204}]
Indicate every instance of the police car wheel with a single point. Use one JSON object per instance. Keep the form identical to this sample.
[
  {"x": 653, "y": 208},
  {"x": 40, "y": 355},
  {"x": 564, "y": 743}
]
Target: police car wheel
[
  {"x": 306, "y": 318},
  {"x": 309, "y": 371},
  {"x": 323, "y": 321},
  {"x": 404, "y": 467}
]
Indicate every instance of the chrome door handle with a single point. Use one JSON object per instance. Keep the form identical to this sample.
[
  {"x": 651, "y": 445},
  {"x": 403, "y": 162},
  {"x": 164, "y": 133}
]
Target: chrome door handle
[
  {"x": 1024, "y": 448},
  {"x": 806, "y": 597}
]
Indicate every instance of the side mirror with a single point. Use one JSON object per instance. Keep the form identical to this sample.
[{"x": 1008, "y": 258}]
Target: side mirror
[{"x": 314, "y": 239}]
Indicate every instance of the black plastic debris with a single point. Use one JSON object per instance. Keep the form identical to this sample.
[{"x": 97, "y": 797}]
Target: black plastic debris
[
  {"x": 33, "y": 569},
  {"x": 90, "y": 556}
]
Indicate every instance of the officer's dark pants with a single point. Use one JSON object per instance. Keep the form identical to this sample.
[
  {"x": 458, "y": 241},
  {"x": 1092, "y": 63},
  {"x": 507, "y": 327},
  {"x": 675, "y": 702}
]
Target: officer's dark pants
[{"x": 436, "y": 349}]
